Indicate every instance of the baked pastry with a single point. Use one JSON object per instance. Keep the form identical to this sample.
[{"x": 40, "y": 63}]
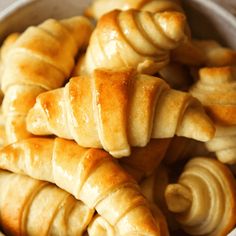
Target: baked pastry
[
  {"x": 216, "y": 89},
  {"x": 215, "y": 54},
  {"x": 186, "y": 53},
  {"x": 41, "y": 59},
  {"x": 2, "y": 130},
  {"x": 144, "y": 160},
  {"x": 6, "y": 45},
  {"x": 100, "y": 7},
  {"x": 33, "y": 207},
  {"x": 90, "y": 175},
  {"x": 223, "y": 144},
  {"x": 87, "y": 111},
  {"x": 204, "y": 199},
  {"x": 100, "y": 226},
  {"x": 136, "y": 39}
]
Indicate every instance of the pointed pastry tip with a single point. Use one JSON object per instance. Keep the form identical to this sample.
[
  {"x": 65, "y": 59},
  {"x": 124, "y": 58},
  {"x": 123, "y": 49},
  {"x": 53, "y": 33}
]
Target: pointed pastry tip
[
  {"x": 196, "y": 125},
  {"x": 36, "y": 120},
  {"x": 178, "y": 198},
  {"x": 173, "y": 24}
]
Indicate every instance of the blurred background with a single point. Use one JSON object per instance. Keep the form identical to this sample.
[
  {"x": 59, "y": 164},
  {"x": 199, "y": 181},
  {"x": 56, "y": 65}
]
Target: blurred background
[{"x": 230, "y": 5}]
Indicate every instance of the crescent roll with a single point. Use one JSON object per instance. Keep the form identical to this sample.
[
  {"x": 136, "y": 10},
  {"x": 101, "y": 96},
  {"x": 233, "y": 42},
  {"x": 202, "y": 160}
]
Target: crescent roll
[
  {"x": 90, "y": 175},
  {"x": 100, "y": 226},
  {"x": 5, "y": 47},
  {"x": 223, "y": 144},
  {"x": 100, "y": 7},
  {"x": 32, "y": 207},
  {"x": 137, "y": 39},
  {"x": 117, "y": 110},
  {"x": 215, "y": 54},
  {"x": 216, "y": 89},
  {"x": 40, "y": 59},
  {"x": 204, "y": 199},
  {"x": 186, "y": 53}
]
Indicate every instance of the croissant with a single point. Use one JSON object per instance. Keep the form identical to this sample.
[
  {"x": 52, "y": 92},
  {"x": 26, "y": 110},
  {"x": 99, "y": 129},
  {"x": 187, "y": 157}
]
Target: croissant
[
  {"x": 90, "y": 175},
  {"x": 34, "y": 207},
  {"x": 87, "y": 110},
  {"x": 204, "y": 199},
  {"x": 215, "y": 54},
  {"x": 100, "y": 7},
  {"x": 144, "y": 160},
  {"x": 136, "y": 39},
  {"x": 223, "y": 144},
  {"x": 100, "y": 226},
  {"x": 186, "y": 53},
  {"x": 41, "y": 59},
  {"x": 6, "y": 45},
  {"x": 2, "y": 130},
  {"x": 216, "y": 89}
]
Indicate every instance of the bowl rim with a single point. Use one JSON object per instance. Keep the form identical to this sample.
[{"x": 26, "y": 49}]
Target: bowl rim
[
  {"x": 213, "y": 5},
  {"x": 219, "y": 9},
  {"x": 13, "y": 7}
]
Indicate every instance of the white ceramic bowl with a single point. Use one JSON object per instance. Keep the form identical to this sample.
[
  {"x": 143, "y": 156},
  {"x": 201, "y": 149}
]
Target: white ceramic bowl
[
  {"x": 207, "y": 19},
  {"x": 23, "y": 13}
]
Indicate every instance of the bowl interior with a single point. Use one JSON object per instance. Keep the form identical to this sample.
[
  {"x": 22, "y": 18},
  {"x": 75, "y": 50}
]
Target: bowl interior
[
  {"x": 208, "y": 20},
  {"x": 23, "y": 13}
]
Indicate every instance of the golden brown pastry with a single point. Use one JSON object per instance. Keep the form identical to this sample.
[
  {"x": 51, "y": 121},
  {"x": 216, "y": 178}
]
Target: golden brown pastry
[
  {"x": 136, "y": 39},
  {"x": 41, "y": 59},
  {"x": 186, "y": 53},
  {"x": 90, "y": 175},
  {"x": 2, "y": 129},
  {"x": 6, "y": 45},
  {"x": 32, "y": 207},
  {"x": 216, "y": 89},
  {"x": 215, "y": 54},
  {"x": 144, "y": 160},
  {"x": 224, "y": 144},
  {"x": 204, "y": 199},
  {"x": 117, "y": 110},
  {"x": 100, "y": 226},
  {"x": 100, "y": 7}
]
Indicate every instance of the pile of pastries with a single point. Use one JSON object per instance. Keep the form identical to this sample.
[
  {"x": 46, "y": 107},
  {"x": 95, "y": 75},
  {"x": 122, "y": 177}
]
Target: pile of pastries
[{"x": 125, "y": 127}]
